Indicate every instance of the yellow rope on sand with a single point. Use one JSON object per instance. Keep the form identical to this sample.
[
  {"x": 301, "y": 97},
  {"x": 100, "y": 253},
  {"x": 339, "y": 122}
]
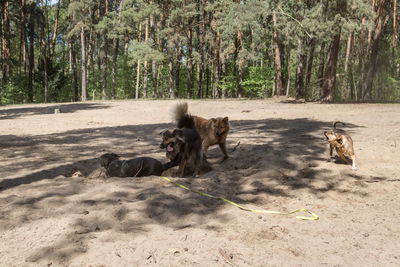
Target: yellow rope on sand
[{"x": 313, "y": 217}]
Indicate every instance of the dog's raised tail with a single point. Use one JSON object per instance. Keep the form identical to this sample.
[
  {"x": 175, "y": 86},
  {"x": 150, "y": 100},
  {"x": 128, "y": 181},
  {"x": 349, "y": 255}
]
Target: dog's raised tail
[
  {"x": 180, "y": 110},
  {"x": 334, "y": 124},
  {"x": 186, "y": 121}
]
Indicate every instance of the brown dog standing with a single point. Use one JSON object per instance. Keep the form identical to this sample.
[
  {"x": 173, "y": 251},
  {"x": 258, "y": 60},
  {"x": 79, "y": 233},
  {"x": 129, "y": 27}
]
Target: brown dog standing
[
  {"x": 213, "y": 131},
  {"x": 342, "y": 143}
]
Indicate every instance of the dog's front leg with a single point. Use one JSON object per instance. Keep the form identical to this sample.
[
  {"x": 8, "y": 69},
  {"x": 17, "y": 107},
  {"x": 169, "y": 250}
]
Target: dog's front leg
[
  {"x": 223, "y": 149},
  {"x": 331, "y": 147},
  {"x": 181, "y": 170}
]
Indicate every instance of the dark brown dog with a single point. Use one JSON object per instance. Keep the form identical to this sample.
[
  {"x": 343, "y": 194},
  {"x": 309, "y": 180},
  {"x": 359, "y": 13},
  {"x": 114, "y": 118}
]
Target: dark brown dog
[
  {"x": 138, "y": 167},
  {"x": 213, "y": 131},
  {"x": 183, "y": 146},
  {"x": 342, "y": 143}
]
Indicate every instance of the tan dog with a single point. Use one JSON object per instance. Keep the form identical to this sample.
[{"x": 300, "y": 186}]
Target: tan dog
[
  {"x": 213, "y": 131},
  {"x": 342, "y": 143}
]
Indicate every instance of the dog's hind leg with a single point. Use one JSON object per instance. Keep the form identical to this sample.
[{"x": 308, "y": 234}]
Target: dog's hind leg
[
  {"x": 340, "y": 153},
  {"x": 353, "y": 160},
  {"x": 197, "y": 163}
]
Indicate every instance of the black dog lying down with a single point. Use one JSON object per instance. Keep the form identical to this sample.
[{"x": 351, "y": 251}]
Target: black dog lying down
[{"x": 138, "y": 167}]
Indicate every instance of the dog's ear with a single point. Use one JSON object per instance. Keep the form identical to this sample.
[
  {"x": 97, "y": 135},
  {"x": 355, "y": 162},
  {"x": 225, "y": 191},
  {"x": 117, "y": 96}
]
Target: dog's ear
[
  {"x": 214, "y": 120},
  {"x": 226, "y": 119},
  {"x": 178, "y": 134}
]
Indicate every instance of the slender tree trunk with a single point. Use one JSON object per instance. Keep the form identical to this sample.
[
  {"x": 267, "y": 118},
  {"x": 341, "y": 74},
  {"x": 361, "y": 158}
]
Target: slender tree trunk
[
  {"x": 367, "y": 95},
  {"x": 301, "y": 65},
  {"x": 240, "y": 64},
  {"x": 105, "y": 59},
  {"x": 83, "y": 60},
  {"x": 145, "y": 65},
  {"x": 44, "y": 45},
  {"x": 31, "y": 65},
  {"x": 74, "y": 69},
  {"x": 288, "y": 75},
  {"x": 207, "y": 81},
  {"x": 394, "y": 38},
  {"x": 55, "y": 29},
  {"x": 114, "y": 67},
  {"x": 178, "y": 56},
  {"x": 330, "y": 73},
  {"x": 189, "y": 61},
  {"x": 6, "y": 37},
  {"x": 360, "y": 63},
  {"x": 137, "y": 79},
  {"x": 310, "y": 64},
  {"x": 348, "y": 51},
  {"x": 321, "y": 65},
  {"x": 138, "y": 65},
  {"x": 171, "y": 75},
  {"x": 223, "y": 72},
  {"x": 278, "y": 66},
  {"x": 153, "y": 62},
  {"x": 217, "y": 64},
  {"x": 202, "y": 27},
  {"x": 22, "y": 49}
]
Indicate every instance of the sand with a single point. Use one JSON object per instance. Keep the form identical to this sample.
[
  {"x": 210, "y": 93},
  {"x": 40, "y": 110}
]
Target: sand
[{"x": 48, "y": 218}]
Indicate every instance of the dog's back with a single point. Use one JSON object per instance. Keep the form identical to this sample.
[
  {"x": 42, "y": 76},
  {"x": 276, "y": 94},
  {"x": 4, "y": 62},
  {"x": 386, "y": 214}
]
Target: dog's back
[{"x": 142, "y": 166}]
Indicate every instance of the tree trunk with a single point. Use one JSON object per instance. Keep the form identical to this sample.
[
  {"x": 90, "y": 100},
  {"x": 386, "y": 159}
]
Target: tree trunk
[
  {"x": 44, "y": 44},
  {"x": 367, "y": 95},
  {"x": 330, "y": 73},
  {"x": 217, "y": 64},
  {"x": 301, "y": 65},
  {"x": 5, "y": 40},
  {"x": 105, "y": 59},
  {"x": 394, "y": 38},
  {"x": 278, "y": 66},
  {"x": 83, "y": 60},
  {"x": 137, "y": 79},
  {"x": 74, "y": 68},
  {"x": 171, "y": 75},
  {"x": 145, "y": 78},
  {"x": 114, "y": 67},
  {"x": 239, "y": 64},
  {"x": 189, "y": 61},
  {"x": 203, "y": 54},
  {"x": 321, "y": 65},
  {"x": 31, "y": 65},
  {"x": 138, "y": 65},
  {"x": 178, "y": 56},
  {"x": 360, "y": 63},
  {"x": 55, "y": 29},
  {"x": 288, "y": 75},
  {"x": 309, "y": 65},
  {"x": 153, "y": 62},
  {"x": 348, "y": 51},
  {"x": 22, "y": 48}
]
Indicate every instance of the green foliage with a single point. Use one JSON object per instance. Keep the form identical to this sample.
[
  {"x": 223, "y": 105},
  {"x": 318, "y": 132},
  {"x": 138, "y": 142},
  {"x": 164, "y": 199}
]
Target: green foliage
[{"x": 174, "y": 24}]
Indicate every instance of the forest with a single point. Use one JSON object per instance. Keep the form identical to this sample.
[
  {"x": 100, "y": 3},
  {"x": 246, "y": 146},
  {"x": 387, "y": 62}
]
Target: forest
[{"x": 318, "y": 50}]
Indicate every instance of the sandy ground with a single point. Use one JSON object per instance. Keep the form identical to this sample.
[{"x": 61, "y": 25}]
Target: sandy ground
[{"x": 48, "y": 218}]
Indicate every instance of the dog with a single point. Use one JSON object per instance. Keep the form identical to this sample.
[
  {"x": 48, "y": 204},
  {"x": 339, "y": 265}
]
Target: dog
[
  {"x": 213, "y": 131},
  {"x": 137, "y": 167},
  {"x": 183, "y": 146},
  {"x": 342, "y": 143}
]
